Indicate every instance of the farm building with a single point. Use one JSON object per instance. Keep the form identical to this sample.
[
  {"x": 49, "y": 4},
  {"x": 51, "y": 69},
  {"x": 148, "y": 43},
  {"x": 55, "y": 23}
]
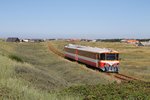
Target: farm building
[
  {"x": 50, "y": 39},
  {"x": 13, "y": 39},
  {"x": 86, "y": 40},
  {"x": 145, "y": 43},
  {"x": 36, "y": 40},
  {"x": 132, "y": 41},
  {"x": 139, "y": 44},
  {"x": 25, "y": 40}
]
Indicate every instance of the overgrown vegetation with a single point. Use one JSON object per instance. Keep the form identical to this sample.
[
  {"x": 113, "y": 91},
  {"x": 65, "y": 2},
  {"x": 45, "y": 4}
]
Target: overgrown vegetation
[
  {"x": 109, "y": 40},
  {"x": 13, "y": 88},
  {"x": 45, "y": 76},
  {"x": 125, "y": 91},
  {"x": 16, "y": 58},
  {"x": 41, "y": 75}
]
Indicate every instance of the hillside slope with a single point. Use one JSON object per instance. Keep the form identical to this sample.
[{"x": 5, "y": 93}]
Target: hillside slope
[{"x": 31, "y": 71}]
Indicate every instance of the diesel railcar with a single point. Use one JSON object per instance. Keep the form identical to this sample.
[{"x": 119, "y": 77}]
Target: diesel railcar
[{"x": 105, "y": 59}]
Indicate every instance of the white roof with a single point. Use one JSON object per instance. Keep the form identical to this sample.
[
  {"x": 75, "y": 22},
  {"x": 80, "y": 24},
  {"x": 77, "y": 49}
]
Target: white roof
[
  {"x": 91, "y": 49},
  {"x": 146, "y": 43}
]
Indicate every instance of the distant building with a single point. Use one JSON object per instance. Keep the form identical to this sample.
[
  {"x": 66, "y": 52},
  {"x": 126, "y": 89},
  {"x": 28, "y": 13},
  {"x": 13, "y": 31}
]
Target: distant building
[
  {"x": 140, "y": 44},
  {"x": 13, "y": 39},
  {"x": 87, "y": 40},
  {"x": 130, "y": 41},
  {"x": 60, "y": 39},
  {"x": 50, "y": 39},
  {"x": 25, "y": 40},
  {"x": 36, "y": 40},
  {"x": 145, "y": 43},
  {"x": 123, "y": 41},
  {"x": 94, "y": 40}
]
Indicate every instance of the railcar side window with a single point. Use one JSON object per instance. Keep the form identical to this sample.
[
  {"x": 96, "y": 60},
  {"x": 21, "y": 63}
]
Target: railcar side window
[
  {"x": 102, "y": 56},
  {"x": 87, "y": 54}
]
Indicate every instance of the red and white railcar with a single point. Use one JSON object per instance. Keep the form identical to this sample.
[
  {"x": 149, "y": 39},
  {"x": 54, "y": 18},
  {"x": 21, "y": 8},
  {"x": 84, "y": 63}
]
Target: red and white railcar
[{"x": 105, "y": 59}]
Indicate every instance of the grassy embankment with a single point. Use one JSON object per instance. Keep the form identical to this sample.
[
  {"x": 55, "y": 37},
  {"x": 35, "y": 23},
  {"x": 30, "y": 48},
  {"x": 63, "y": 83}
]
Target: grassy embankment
[
  {"x": 31, "y": 71},
  {"x": 135, "y": 61}
]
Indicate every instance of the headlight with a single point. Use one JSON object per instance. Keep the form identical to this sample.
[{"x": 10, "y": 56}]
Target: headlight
[
  {"x": 107, "y": 65},
  {"x": 117, "y": 65}
]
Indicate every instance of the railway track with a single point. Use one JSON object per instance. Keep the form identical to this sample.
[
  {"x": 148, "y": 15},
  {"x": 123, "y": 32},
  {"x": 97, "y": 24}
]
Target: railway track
[
  {"x": 123, "y": 77},
  {"x": 54, "y": 50},
  {"x": 118, "y": 76}
]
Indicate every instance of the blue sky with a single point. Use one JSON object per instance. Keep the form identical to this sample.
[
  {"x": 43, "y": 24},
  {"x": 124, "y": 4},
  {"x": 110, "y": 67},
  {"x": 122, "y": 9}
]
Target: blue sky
[{"x": 75, "y": 18}]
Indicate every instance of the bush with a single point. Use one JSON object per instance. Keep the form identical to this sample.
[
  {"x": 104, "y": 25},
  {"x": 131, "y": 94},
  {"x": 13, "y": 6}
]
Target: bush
[
  {"x": 131, "y": 90},
  {"x": 16, "y": 58}
]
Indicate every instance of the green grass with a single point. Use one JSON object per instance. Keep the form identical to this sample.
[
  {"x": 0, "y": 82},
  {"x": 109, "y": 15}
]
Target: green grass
[
  {"x": 125, "y": 91},
  {"x": 61, "y": 71},
  {"x": 16, "y": 58},
  {"x": 13, "y": 88},
  {"x": 41, "y": 75}
]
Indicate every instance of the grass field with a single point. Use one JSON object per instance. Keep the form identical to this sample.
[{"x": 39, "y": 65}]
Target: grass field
[
  {"x": 135, "y": 61},
  {"x": 34, "y": 67},
  {"x": 29, "y": 71}
]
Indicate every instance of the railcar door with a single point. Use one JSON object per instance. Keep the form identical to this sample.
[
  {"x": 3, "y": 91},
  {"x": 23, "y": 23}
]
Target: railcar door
[
  {"x": 97, "y": 61},
  {"x": 76, "y": 55}
]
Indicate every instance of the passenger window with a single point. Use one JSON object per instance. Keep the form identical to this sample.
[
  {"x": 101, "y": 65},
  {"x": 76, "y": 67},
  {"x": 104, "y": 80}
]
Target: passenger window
[{"x": 102, "y": 56}]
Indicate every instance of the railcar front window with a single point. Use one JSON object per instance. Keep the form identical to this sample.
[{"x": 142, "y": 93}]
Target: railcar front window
[
  {"x": 108, "y": 56},
  {"x": 111, "y": 57}
]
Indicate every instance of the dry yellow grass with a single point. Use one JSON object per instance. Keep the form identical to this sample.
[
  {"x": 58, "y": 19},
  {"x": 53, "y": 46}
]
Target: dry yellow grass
[
  {"x": 34, "y": 66},
  {"x": 29, "y": 71}
]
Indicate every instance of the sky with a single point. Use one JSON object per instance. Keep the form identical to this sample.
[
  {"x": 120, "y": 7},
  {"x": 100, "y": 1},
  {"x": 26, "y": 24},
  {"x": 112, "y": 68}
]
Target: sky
[{"x": 75, "y": 18}]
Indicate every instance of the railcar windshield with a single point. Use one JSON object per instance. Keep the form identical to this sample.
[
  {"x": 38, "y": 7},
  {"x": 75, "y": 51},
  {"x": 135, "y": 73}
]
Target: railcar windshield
[{"x": 109, "y": 56}]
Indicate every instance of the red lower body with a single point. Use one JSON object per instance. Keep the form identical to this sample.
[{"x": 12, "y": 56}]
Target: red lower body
[{"x": 94, "y": 64}]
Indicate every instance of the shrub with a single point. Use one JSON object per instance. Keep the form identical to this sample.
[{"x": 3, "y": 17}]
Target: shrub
[
  {"x": 16, "y": 58},
  {"x": 131, "y": 90}
]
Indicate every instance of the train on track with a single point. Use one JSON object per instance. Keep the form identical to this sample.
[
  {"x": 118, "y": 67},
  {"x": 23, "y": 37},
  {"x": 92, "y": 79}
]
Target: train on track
[{"x": 102, "y": 58}]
